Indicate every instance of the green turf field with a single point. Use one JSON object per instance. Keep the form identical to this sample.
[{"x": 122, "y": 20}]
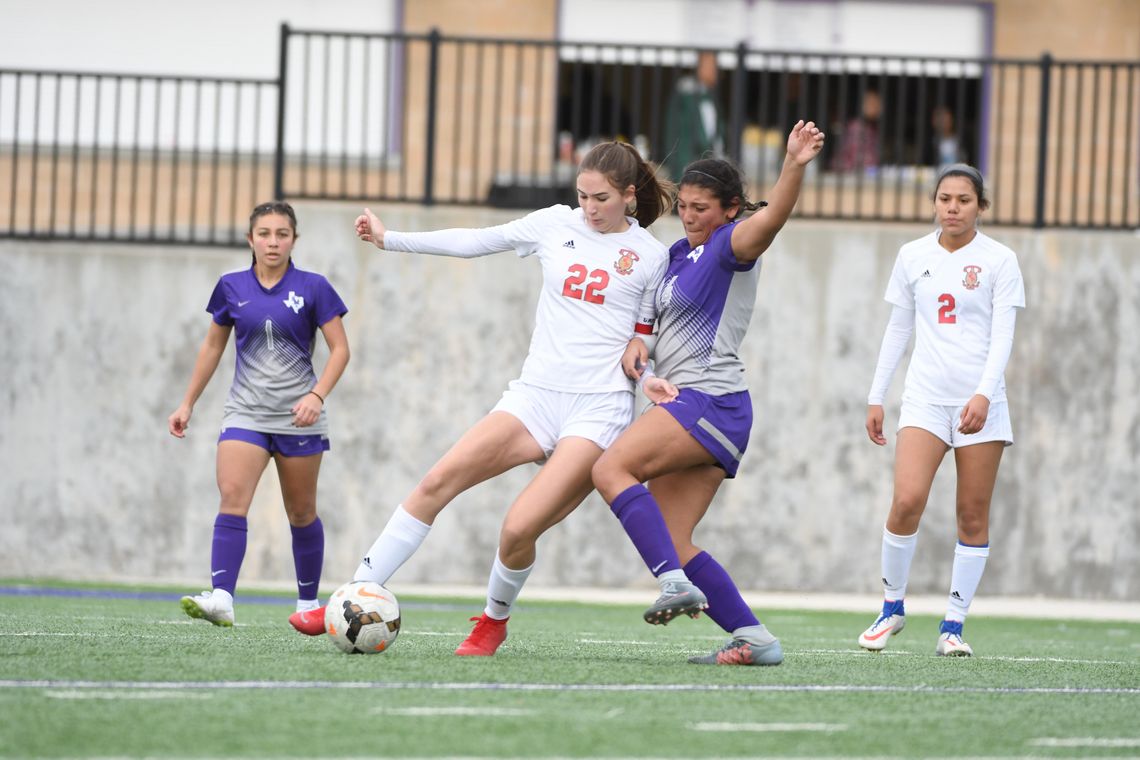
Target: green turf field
[{"x": 91, "y": 676}]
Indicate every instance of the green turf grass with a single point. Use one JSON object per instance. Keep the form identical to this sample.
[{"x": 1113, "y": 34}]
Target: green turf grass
[{"x": 137, "y": 678}]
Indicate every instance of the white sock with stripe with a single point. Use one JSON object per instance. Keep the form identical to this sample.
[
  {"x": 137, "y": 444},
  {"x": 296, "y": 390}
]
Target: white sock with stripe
[
  {"x": 898, "y": 551},
  {"x": 503, "y": 588},
  {"x": 397, "y": 543},
  {"x": 969, "y": 564}
]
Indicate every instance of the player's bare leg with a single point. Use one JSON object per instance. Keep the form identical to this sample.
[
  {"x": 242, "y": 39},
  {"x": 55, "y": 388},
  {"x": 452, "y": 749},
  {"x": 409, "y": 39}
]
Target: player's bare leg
[
  {"x": 298, "y": 476},
  {"x": 239, "y": 468},
  {"x": 977, "y": 474},
  {"x": 497, "y": 443},
  {"x": 918, "y": 454},
  {"x": 556, "y": 491},
  {"x": 654, "y": 445}
]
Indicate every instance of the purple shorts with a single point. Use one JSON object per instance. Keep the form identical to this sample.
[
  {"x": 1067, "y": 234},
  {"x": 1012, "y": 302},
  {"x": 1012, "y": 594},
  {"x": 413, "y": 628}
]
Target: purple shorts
[
  {"x": 287, "y": 445},
  {"x": 719, "y": 423}
]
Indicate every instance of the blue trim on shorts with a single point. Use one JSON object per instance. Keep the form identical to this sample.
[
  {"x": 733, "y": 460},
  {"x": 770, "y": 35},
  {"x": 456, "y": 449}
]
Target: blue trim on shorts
[
  {"x": 722, "y": 424},
  {"x": 285, "y": 444}
]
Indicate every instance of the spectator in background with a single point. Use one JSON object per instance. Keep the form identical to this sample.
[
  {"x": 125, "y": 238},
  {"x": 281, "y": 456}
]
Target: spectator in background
[
  {"x": 945, "y": 146},
  {"x": 859, "y": 141},
  {"x": 693, "y": 125}
]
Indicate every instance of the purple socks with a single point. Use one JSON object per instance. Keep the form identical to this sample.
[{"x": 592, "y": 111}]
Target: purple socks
[
  {"x": 726, "y": 607},
  {"x": 308, "y": 558},
  {"x": 228, "y": 551},
  {"x": 639, "y": 514}
]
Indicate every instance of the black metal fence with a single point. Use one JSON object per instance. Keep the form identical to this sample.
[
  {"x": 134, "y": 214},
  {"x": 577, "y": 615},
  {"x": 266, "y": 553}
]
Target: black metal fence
[{"x": 460, "y": 120}]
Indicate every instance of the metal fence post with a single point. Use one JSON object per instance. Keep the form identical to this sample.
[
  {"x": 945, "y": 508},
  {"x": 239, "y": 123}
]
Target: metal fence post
[
  {"x": 1042, "y": 141},
  {"x": 432, "y": 86},
  {"x": 279, "y": 153},
  {"x": 736, "y": 110}
]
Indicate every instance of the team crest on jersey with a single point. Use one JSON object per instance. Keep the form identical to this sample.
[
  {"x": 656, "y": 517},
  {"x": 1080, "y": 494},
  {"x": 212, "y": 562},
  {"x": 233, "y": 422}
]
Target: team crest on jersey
[
  {"x": 971, "y": 281},
  {"x": 625, "y": 261},
  {"x": 294, "y": 302}
]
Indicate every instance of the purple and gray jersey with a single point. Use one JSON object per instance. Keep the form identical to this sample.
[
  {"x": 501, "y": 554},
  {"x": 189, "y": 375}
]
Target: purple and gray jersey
[
  {"x": 704, "y": 305},
  {"x": 275, "y": 331}
]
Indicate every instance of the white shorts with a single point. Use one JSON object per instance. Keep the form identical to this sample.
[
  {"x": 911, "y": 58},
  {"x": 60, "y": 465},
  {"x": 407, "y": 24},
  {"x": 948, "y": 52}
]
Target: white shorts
[
  {"x": 550, "y": 416},
  {"x": 943, "y": 422}
]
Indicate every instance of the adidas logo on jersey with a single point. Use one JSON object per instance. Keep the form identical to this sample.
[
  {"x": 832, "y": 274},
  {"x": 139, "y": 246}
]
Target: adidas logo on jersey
[
  {"x": 568, "y": 244},
  {"x": 926, "y": 273}
]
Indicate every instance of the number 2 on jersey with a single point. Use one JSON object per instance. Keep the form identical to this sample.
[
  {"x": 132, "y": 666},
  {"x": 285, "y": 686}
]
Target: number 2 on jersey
[
  {"x": 946, "y": 315},
  {"x": 592, "y": 291}
]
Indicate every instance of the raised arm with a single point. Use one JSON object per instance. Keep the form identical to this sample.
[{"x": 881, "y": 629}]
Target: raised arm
[
  {"x": 459, "y": 242},
  {"x": 752, "y": 237}
]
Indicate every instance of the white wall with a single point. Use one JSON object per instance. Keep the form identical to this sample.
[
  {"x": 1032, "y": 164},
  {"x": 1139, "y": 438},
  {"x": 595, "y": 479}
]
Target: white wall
[
  {"x": 884, "y": 27},
  {"x": 98, "y": 343},
  {"x": 215, "y": 38}
]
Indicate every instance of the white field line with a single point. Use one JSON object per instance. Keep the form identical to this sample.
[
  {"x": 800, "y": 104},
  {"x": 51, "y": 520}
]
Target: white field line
[
  {"x": 124, "y": 694},
  {"x": 768, "y": 727},
  {"x": 1101, "y": 742},
  {"x": 599, "y": 687},
  {"x": 862, "y": 653},
  {"x": 896, "y": 653},
  {"x": 431, "y": 712}
]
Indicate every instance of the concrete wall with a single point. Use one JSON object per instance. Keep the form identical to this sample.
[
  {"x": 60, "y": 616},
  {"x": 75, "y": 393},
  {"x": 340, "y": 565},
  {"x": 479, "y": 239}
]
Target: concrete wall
[{"x": 98, "y": 342}]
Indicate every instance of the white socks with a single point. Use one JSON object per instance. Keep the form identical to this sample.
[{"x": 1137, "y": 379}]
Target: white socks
[
  {"x": 898, "y": 551},
  {"x": 503, "y": 588},
  {"x": 401, "y": 537},
  {"x": 969, "y": 564},
  {"x": 304, "y": 605},
  {"x": 671, "y": 576}
]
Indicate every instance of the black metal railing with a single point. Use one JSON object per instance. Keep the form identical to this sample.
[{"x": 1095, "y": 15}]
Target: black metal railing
[
  {"x": 133, "y": 158},
  {"x": 461, "y": 120}
]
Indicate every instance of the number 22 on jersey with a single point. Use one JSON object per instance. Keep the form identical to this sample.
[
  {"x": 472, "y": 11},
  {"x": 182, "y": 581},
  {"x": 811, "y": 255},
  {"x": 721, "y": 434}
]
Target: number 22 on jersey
[{"x": 585, "y": 286}]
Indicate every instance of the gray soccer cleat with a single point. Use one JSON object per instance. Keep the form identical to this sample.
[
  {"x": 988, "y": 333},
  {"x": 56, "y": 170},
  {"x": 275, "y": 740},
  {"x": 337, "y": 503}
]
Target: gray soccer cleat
[
  {"x": 742, "y": 652},
  {"x": 677, "y": 598}
]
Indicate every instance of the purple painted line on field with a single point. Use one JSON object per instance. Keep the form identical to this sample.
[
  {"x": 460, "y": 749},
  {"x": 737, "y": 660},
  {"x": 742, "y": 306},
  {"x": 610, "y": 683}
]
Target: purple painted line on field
[
  {"x": 171, "y": 596},
  {"x": 143, "y": 596}
]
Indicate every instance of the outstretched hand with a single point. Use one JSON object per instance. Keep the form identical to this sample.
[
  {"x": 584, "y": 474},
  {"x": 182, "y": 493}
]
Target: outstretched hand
[
  {"x": 370, "y": 229},
  {"x": 805, "y": 142}
]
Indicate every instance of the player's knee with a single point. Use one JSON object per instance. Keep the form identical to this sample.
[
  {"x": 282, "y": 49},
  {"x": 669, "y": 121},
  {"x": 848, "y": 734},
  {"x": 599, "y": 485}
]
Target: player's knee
[
  {"x": 235, "y": 496},
  {"x": 907, "y": 509},
  {"x": 301, "y": 513},
  {"x": 972, "y": 523},
  {"x": 516, "y": 537},
  {"x": 435, "y": 483},
  {"x": 607, "y": 474}
]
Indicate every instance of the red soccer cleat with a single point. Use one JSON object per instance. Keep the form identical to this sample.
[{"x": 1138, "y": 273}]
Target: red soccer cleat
[
  {"x": 484, "y": 638},
  {"x": 309, "y": 622}
]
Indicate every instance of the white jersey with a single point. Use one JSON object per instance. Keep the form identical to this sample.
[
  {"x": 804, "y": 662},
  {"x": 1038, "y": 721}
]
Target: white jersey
[
  {"x": 596, "y": 288},
  {"x": 953, "y": 296}
]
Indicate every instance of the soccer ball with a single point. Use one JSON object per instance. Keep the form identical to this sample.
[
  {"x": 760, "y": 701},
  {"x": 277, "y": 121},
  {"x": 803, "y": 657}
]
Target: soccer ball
[{"x": 362, "y": 617}]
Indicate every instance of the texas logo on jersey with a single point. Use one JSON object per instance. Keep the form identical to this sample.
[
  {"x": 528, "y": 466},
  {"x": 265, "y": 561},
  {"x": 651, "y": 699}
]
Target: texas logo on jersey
[
  {"x": 971, "y": 281},
  {"x": 625, "y": 261}
]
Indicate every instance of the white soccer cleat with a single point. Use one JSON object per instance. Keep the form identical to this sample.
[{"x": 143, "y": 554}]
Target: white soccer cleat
[
  {"x": 951, "y": 645},
  {"x": 209, "y": 606},
  {"x": 876, "y": 637}
]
